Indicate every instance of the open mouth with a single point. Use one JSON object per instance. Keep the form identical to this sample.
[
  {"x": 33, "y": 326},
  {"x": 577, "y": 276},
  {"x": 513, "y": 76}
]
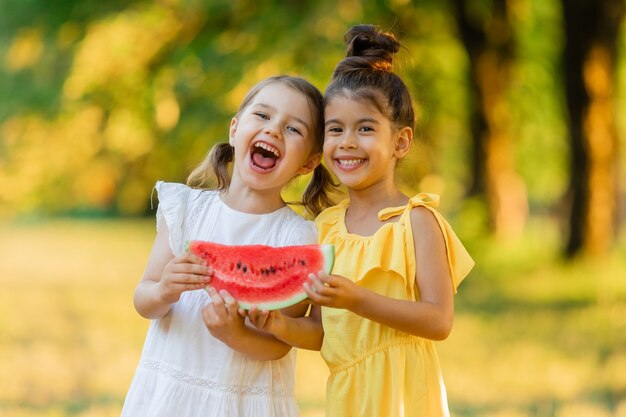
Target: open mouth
[{"x": 264, "y": 156}]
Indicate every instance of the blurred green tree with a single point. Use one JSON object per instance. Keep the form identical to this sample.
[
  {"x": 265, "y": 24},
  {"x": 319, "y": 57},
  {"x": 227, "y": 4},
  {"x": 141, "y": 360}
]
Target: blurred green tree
[
  {"x": 100, "y": 100},
  {"x": 487, "y": 35}
]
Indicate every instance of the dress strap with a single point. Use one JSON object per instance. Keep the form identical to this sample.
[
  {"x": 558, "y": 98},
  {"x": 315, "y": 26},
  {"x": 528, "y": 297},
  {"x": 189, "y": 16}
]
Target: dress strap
[
  {"x": 421, "y": 199},
  {"x": 459, "y": 261}
]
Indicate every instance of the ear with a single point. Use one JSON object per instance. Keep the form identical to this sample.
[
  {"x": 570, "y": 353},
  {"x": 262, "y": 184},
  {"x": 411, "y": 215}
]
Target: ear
[
  {"x": 404, "y": 139},
  {"x": 311, "y": 164},
  {"x": 232, "y": 131}
]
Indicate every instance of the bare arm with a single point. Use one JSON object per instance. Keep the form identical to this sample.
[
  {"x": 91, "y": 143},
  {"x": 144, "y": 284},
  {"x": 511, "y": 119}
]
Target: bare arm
[
  {"x": 167, "y": 277},
  {"x": 430, "y": 317},
  {"x": 303, "y": 332},
  {"x": 227, "y": 322}
]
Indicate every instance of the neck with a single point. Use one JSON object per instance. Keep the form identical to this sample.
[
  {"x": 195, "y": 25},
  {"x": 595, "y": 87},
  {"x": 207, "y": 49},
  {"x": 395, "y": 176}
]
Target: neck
[
  {"x": 248, "y": 200},
  {"x": 376, "y": 198}
]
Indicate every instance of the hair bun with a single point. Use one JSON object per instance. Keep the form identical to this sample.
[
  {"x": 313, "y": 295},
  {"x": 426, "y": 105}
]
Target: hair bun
[{"x": 374, "y": 47}]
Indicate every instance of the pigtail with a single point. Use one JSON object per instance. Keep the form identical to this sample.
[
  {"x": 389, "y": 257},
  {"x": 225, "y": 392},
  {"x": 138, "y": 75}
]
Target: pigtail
[
  {"x": 214, "y": 168},
  {"x": 317, "y": 195}
]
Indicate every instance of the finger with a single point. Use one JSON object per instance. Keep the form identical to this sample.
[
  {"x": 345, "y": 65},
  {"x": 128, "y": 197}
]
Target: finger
[
  {"x": 260, "y": 319},
  {"x": 310, "y": 292},
  {"x": 208, "y": 314},
  {"x": 188, "y": 281},
  {"x": 195, "y": 259},
  {"x": 325, "y": 278},
  {"x": 253, "y": 315},
  {"x": 263, "y": 318},
  {"x": 231, "y": 304},
  {"x": 316, "y": 284},
  {"x": 191, "y": 268},
  {"x": 316, "y": 296},
  {"x": 188, "y": 258},
  {"x": 218, "y": 302}
]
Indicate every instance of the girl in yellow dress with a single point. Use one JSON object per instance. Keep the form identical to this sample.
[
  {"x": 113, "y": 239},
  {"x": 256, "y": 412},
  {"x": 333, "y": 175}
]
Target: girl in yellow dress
[{"x": 398, "y": 262}]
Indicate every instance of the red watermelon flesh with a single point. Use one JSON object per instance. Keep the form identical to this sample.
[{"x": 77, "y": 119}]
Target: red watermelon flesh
[{"x": 268, "y": 277}]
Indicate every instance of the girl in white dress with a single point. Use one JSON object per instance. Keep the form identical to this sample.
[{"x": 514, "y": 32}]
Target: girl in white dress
[{"x": 201, "y": 357}]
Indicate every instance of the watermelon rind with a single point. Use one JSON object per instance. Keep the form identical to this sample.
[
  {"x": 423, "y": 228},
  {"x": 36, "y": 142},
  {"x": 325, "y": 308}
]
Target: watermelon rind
[
  {"x": 275, "y": 305},
  {"x": 329, "y": 257}
]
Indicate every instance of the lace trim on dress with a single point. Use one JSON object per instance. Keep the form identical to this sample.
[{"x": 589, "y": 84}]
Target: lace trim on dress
[
  {"x": 211, "y": 385},
  {"x": 197, "y": 210}
]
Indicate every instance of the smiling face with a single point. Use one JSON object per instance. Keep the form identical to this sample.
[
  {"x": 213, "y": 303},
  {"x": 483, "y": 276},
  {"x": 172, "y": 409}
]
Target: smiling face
[
  {"x": 361, "y": 146},
  {"x": 273, "y": 139}
]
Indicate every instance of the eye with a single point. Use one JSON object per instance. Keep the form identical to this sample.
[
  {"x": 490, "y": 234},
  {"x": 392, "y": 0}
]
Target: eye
[
  {"x": 366, "y": 129},
  {"x": 335, "y": 129},
  {"x": 262, "y": 115},
  {"x": 294, "y": 130}
]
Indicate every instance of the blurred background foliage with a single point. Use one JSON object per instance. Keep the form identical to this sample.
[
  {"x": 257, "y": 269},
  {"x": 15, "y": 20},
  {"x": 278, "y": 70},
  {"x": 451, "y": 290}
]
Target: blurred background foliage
[
  {"x": 99, "y": 100},
  {"x": 521, "y": 129}
]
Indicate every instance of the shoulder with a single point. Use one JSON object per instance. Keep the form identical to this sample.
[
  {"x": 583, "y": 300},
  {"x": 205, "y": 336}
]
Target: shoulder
[
  {"x": 423, "y": 216},
  {"x": 426, "y": 224},
  {"x": 176, "y": 192},
  {"x": 331, "y": 215},
  {"x": 434, "y": 238},
  {"x": 171, "y": 190}
]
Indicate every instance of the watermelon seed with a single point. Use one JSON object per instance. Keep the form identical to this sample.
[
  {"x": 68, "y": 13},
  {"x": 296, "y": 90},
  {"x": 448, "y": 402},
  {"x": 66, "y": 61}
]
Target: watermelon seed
[
  {"x": 245, "y": 268},
  {"x": 302, "y": 262},
  {"x": 238, "y": 264},
  {"x": 232, "y": 266}
]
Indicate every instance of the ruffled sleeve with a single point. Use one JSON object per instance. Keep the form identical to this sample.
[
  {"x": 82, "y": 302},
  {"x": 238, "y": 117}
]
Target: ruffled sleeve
[
  {"x": 328, "y": 218},
  {"x": 460, "y": 262},
  {"x": 172, "y": 207}
]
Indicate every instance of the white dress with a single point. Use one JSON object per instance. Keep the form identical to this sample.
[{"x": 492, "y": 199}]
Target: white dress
[{"x": 185, "y": 371}]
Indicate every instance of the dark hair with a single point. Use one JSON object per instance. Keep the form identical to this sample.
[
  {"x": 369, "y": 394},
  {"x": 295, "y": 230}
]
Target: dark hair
[
  {"x": 214, "y": 169},
  {"x": 366, "y": 72}
]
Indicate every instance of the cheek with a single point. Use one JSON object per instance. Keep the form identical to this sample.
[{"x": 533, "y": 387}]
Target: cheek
[
  {"x": 328, "y": 156},
  {"x": 328, "y": 147}
]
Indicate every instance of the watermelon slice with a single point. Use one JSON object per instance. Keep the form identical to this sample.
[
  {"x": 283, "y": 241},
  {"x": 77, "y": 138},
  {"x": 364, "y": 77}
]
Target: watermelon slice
[{"x": 268, "y": 277}]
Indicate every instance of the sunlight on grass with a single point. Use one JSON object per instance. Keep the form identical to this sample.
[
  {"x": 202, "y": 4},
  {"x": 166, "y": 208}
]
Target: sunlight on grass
[{"x": 532, "y": 336}]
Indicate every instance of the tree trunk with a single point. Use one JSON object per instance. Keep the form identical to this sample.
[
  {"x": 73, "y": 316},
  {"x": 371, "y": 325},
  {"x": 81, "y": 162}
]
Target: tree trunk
[
  {"x": 589, "y": 57},
  {"x": 489, "y": 46}
]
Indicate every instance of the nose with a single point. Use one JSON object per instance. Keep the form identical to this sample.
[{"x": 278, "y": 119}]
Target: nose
[
  {"x": 348, "y": 141},
  {"x": 272, "y": 128}
]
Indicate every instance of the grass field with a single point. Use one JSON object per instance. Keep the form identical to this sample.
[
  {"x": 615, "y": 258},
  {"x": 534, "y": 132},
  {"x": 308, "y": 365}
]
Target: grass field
[{"x": 532, "y": 336}]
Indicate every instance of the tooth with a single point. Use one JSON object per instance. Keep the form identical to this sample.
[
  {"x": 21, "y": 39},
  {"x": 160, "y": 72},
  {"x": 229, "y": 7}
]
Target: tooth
[
  {"x": 268, "y": 148},
  {"x": 350, "y": 162}
]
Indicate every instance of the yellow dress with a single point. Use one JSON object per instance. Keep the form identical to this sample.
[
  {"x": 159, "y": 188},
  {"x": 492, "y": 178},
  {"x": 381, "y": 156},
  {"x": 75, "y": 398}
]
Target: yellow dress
[{"x": 376, "y": 370}]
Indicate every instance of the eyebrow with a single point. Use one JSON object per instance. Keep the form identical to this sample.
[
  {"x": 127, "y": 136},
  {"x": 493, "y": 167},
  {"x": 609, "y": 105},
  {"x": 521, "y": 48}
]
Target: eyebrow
[
  {"x": 362, "y": 120},
  {"x": 296, "y": 118}
]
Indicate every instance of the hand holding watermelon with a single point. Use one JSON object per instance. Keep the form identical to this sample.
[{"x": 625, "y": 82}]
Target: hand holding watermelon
[
  {"x": 221, "y": 316},
  {"x": 272, "y": 322},
  {"x": 184, "y": 273},
  {"x": 333, "y": 291}
]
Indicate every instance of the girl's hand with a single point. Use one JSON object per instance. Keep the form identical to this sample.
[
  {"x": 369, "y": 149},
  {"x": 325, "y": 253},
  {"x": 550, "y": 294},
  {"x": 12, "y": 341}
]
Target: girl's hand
[
  {"x": 184, "y": 273},
  {"x": 333, "y": 291},
  {"x": 221, "y": 316},
  {"x": 272, "y": 322}
]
